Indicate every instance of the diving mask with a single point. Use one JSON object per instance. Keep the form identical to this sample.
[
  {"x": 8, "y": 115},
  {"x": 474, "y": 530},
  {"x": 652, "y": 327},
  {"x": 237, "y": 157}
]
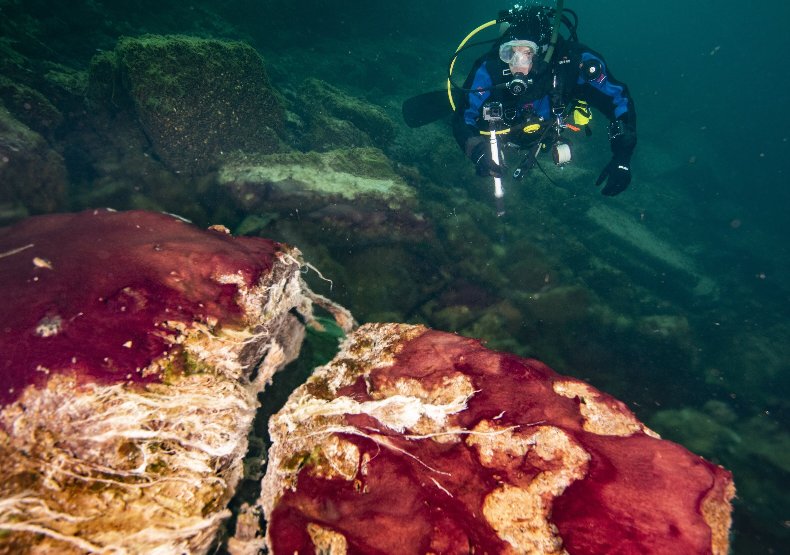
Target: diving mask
[{"x": 517, "y": 53}]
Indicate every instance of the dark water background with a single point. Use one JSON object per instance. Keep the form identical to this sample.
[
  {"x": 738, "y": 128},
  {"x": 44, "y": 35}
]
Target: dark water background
[{"x": 710, "y": 193}]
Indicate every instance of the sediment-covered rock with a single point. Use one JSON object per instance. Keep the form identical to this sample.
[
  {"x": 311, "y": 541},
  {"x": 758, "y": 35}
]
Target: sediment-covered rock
[
  {"x": 133, "y": 349},
  {"x": 354, "y": 190},
  {"x": 418, "y": 441},
  {"x": 659, "y": 263}
]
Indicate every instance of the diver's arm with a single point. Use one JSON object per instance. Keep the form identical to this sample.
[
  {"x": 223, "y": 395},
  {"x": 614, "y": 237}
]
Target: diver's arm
[
  {"x": 467, "y": 116},
  {"x": 603, "y": 91},
  {"x": 597, "y": 85}
]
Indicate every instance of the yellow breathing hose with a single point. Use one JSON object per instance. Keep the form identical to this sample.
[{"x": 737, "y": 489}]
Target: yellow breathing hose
[{"x": 452, "y": 65}]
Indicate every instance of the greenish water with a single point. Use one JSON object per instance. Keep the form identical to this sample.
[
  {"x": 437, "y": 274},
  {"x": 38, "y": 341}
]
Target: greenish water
[{"x": 673, "y": 296}]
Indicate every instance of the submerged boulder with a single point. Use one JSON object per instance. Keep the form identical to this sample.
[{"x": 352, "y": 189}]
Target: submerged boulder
[
  {"x": 198, "y": 100},
  {"x": 416, "y": 441},
  {"x": 134, "y": 346}
]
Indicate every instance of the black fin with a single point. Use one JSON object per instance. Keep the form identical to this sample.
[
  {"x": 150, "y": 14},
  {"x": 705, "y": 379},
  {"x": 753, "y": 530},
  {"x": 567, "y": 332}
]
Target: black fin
[{"x": 426, "y": 108}]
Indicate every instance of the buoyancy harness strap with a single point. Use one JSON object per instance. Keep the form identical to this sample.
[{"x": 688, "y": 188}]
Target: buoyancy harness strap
[
  {"x": 555, "y": 33},
  {"x": 555, "y": 97}
]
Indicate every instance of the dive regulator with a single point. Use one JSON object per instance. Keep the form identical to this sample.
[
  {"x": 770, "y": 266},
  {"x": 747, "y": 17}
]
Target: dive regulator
[{"x": 519, "y": 84}]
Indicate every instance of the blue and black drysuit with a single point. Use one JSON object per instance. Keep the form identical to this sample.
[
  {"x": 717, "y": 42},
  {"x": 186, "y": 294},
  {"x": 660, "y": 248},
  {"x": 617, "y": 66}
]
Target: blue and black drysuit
[{"x": 571, "y": 65}]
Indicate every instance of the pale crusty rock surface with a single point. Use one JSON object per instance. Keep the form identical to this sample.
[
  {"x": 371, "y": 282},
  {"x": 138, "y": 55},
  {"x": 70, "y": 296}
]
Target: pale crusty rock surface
[{"x": 345, "y": 190}]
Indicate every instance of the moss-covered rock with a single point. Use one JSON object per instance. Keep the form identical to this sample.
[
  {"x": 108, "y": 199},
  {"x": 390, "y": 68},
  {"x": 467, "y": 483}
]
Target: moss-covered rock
[
  {"x": 105, "y": 91},
  {"x": 198, "y": 100},
  {"x": 33, "y": 175},
  {"x": 29, "y": 106},
  {"x": 333, "y": 118},
  {"x": 559, "y": 306}
]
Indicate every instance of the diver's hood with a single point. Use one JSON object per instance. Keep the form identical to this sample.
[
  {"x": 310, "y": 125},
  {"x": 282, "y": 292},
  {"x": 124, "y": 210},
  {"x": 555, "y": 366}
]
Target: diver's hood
[{"x": 510, "y": 37}]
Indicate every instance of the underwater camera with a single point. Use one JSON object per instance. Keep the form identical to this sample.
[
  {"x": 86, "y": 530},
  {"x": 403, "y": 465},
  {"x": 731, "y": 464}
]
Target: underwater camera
[{"x": 492, "y": 111}]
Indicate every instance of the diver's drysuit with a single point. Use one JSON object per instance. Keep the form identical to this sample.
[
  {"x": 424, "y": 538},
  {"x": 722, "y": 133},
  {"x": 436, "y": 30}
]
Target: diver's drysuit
[{"x": 574, "y": 73}]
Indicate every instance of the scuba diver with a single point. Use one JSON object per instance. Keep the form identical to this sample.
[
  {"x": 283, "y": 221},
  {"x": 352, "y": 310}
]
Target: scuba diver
[{"x": 531, "y": 86}]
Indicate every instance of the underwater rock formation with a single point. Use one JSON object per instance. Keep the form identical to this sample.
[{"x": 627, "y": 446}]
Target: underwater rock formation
[
  {"x": 341, "y": 191},
  {"x": 334, "y": 119},
  {"x": 415, "y": 441},
  {"x": 33, "y": 175},
  {"x": 197, "y": 100},
  {"x": 134, "y": 346},
  {"x": 659, "y": 261}
]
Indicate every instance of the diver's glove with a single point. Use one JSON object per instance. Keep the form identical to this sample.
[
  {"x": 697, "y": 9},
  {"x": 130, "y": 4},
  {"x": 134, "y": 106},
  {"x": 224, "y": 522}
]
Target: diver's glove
[
  {"x": 478, "y": 150},
  {"x": 617, "y": 172},
  {"x": 617, "y": 175}
]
